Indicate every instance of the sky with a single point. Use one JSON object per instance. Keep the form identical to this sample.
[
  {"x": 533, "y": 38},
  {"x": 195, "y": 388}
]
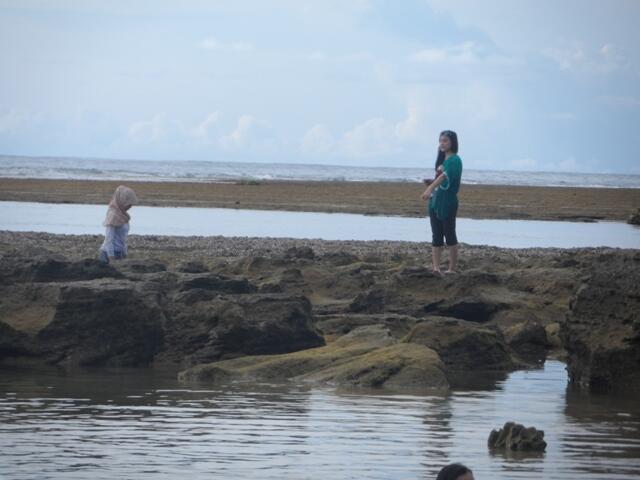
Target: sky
[{"x": 534, "y": 85}]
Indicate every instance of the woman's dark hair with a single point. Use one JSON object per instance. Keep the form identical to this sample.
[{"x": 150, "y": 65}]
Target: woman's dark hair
[
  {"x": 454, "y": 146},
  {"x": 452, "y": 472}
]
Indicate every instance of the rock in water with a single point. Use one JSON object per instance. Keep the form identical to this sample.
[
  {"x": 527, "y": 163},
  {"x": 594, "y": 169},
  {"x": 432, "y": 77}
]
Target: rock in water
[
  {"x": 516, "y": 437},
  {"x": 462, "y": 345},
  {"x": 634, "y": 218},
  {"x": 602, "y": 330},
  {"x": 103, "y": 323}
]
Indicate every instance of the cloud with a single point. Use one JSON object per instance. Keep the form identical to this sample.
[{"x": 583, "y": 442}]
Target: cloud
[
  {"x": 157, "y": 130},
  {"x": 410, "y": 127},
  {"x": 374, "y": 137},
  {"x": 378, "y": 136},
  {"x": 16, "y": 121},
  {"x": 464, "y": 53},
  {"x": 529, "y": 164},
  {"x": 249, "y": 134},
  {"x": 318, "y": 140},
  {"x": 211, "y": 43},
  {"x": 205, "y": 129},
  {"x": 576, "y": 57},
  {"x": 568, "y": 165}
]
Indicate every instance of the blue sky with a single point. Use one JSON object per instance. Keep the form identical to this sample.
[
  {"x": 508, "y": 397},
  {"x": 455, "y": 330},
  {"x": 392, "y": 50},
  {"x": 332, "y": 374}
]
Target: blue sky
[{"x": 528, "y": 85}]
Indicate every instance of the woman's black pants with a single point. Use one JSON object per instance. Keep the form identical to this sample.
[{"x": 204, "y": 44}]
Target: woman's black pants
[{"x": 443, "y": 229}]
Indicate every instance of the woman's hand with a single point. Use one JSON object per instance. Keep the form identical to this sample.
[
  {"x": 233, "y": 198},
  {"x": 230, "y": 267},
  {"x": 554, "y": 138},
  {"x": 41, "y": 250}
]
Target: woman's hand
[{"x": 426, "y": 194}]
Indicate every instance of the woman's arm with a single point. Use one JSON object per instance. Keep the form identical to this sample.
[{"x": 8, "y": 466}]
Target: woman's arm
[{"x": 427, "y": 193}]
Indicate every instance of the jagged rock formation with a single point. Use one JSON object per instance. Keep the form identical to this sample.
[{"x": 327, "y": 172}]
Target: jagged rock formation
[
  {"x": 602, "y": 329},
  {"x": 264, "y": 308},
  {"x": 516, "y": 437}
]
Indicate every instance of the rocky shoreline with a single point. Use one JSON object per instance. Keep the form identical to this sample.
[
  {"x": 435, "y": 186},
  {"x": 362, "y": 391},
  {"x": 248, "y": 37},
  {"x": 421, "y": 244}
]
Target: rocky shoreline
[
  {"x": 369, "y": 198},
  {"x": 364, "y": 314}
]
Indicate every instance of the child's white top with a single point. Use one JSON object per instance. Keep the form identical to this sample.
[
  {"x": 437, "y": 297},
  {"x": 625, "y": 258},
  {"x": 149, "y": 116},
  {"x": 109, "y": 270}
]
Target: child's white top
[{"x": 115, "y": 240}]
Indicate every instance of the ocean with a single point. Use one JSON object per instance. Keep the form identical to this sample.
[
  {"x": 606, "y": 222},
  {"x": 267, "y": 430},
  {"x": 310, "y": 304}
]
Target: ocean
[{"x": 205, "y": 171}]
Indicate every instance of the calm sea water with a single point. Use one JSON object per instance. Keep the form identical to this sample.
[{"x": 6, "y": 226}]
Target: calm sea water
[
  {"x": 101, "y": 169},
  {"x": 142, "y": 424},
  {"x": 183, "y": 221}
]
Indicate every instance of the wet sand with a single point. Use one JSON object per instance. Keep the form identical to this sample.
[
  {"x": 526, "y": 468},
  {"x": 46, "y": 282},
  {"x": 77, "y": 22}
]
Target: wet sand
[{"x": 371, "y": 198}]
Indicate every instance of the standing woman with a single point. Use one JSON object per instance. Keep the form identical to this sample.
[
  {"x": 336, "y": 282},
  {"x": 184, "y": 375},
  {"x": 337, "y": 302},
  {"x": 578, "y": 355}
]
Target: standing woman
[
  {"x": 443, "y": 205},
  {"x": 117, "y": 224}
]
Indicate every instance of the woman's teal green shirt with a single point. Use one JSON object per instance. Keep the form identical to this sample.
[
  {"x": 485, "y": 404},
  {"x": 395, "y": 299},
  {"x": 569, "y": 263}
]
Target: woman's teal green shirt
[{"x": 444, "y": 201}]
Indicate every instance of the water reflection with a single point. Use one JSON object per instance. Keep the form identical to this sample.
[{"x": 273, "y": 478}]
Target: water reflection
[
  {"x": 143, "y": 424},
  {"x": 78, "y": 219}
]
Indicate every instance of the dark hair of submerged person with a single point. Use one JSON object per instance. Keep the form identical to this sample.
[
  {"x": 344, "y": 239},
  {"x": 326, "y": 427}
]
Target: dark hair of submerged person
[
  {"x": 454, "y": 146},
  {"x": 455, "y": 471}
]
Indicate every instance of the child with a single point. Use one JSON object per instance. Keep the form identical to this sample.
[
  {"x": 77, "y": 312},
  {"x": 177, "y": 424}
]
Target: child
[{"x": 117, "y": 224}]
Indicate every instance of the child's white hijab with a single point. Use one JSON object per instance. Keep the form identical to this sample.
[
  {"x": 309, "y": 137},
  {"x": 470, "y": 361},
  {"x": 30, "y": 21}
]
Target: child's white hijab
[{"x": 116, "y": 214}]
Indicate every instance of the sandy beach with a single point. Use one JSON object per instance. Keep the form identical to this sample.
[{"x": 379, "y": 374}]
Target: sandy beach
[{"x": 370, "y": 198}]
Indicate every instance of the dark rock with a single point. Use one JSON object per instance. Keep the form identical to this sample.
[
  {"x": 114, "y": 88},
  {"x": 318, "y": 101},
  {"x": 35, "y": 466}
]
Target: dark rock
[
  {"x": 218, "y": 283},
  {"x": 271, "y": 287},
  {"x": 336, "y": 325},
  {"x": 102, "y": 323},
  {"x": 340, "y": 258},
  {"x": 516, "y": 437},
  {"x": 634, "y": 218},
  {"x": 139, "y": 266},
  {"x": 473, "y": 309},
  {"x": 371, "y": 301},
  {"x": 366, "y": 357},
  {"x": 462, "y": 345},
  {"x": 232, "y": 326},
  {"x": 195, "y": 295},
  {"x": 291, "y": 275},
  {"x": 192, "y": 267},
  {"x": 528, "y": 339},
  {"x": 14, "y": 343},
  {"x": 602, "y": 331},
  {"x": 300, "y": 252},
  {"x": 56, "y": 269},
  {"x": 417, "y": 291}
]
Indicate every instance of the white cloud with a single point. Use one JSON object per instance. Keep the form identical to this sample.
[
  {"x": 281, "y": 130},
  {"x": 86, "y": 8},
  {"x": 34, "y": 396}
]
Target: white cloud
[
  {"x": 409, "y": 128},
  {"x": 14, "y": 121},
  {"x": 204, "y": 130},
  {"x": 568, "y": 165},
  {"x": 249, "y": 134},
  {"x": 157, "y": 130},
  {"x": 374, "y": 137},
  {"x": 240, "y": 136},
  {"x": 464, "y": 53},
  {"x": 576, "y": 57},
  {"x": 377, "y": 136},
  {"x": 212, "y": 43},
  {"x": 318, "y": 140}
]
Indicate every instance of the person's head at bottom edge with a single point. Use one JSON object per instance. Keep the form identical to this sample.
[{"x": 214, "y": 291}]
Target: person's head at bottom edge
[{"x": 455, "y": 471}]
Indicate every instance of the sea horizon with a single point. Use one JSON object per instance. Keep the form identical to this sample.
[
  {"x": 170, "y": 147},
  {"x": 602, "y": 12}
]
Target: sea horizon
[{"x": 91, "y": 168}]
